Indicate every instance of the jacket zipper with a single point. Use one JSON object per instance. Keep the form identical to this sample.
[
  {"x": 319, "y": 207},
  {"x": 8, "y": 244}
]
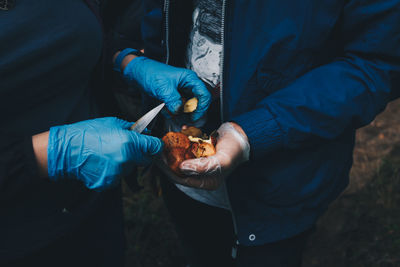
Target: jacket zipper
[
  {"x": 221, "y": 73},
  {"x": 235, "y": 245},
  {"x": 166, "y": 12}
]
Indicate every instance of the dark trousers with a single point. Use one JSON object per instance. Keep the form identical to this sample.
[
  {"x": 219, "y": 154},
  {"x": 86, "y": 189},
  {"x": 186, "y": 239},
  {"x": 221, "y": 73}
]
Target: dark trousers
[
  {"x": 207, "y": 236},
  {"x": 98, "y": 242}
]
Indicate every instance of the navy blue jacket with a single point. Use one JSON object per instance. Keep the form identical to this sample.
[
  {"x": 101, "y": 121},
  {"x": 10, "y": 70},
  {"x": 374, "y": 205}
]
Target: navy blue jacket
[
  {"x": 39, "y": 90},
  {"x": 299, "y": 77}
]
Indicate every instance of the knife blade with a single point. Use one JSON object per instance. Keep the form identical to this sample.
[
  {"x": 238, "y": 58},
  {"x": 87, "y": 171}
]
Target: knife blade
[{"x": 145, "y": 120}]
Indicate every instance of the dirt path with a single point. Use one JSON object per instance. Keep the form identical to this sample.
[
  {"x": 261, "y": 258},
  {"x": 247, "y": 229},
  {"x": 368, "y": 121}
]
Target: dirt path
[{"x": 362, "y": 227}]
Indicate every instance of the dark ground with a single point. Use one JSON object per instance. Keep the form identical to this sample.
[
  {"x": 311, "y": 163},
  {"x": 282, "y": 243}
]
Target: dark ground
[{"x": 361, "y": 228}]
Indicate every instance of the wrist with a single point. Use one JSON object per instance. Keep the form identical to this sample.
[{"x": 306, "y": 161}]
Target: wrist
[
  {"x": 126, "y": 61},
  {"x": 239, "y": 129},
  {"x": 122, "y": 58},
  {"x": 242, "y": 139},
  {"x": 40, "y": 144}
]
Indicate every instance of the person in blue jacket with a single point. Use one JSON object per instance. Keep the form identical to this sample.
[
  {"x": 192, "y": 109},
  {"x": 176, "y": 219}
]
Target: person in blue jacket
[
  {"x": 291, "y": 81},
  {"x": 60, "y": 163}
]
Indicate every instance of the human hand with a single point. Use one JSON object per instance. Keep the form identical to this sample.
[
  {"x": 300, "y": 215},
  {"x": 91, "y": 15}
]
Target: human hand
[
  {"x": 208, "y": 173},
  {"x": 98, "y": 152},
  {"x": 165, "y": 83}
]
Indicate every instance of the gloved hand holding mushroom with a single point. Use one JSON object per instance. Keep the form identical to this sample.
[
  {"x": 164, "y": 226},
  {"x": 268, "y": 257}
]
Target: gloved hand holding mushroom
[{"x": 198, "y": 165}]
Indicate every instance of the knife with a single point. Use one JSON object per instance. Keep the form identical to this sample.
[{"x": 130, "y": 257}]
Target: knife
[{"x": 145, "y": 120}]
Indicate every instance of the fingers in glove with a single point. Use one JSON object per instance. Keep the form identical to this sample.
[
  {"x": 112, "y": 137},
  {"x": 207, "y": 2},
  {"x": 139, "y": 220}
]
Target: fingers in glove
[
  {"x": 150, "y": 145},
  {"x": 193, "y": 84},
  {"x": 201, "y": 166},
  {"x": 171, "y": 97},
  {"x": 123, "y": 123},
  {"x": 143, "y": 147},
  {"x": 110, "y": 122},
  {"x": 173, "y": 104}
]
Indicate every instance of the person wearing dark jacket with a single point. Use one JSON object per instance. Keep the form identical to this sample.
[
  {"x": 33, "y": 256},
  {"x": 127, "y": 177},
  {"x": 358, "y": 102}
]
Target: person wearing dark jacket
[
  {"x": 60, "y": 164},
  {"x": 291, "y": 82}
]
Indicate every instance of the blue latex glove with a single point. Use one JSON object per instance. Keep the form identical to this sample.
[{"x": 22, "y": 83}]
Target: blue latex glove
[
  {"x": 163, "y": 82},
  {"x": 98, "y": 152}
]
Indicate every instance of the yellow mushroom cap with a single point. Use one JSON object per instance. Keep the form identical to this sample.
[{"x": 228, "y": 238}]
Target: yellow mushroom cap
[{"x": 190, "y": 105}]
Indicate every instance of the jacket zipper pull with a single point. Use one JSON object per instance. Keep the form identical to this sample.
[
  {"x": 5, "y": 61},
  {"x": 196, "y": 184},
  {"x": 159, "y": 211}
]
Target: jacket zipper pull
[{"x": 235, "y": 248}]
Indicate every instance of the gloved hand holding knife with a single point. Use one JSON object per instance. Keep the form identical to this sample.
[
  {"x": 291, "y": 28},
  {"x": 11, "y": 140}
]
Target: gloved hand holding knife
[{"x": 98, "y": 152}]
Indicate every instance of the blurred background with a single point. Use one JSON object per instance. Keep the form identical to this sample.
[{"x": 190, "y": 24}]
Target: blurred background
[{"x": 361, "y": 228}]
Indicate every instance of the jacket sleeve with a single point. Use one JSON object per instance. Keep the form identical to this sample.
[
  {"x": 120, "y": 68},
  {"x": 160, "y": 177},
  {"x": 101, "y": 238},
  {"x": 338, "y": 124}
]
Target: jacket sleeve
[
  {"x": 18, "y": 166},
  {"x": 122, "y": 20},
  {"x": 342, "y": 95}
]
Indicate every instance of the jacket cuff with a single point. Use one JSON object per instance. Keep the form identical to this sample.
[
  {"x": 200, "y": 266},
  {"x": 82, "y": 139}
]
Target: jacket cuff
[
  {"x": 262, "y": 130},
  {"x": 30, "y": 157}
]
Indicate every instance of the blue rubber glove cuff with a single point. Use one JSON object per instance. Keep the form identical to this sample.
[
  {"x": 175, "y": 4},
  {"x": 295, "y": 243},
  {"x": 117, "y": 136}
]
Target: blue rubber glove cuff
[
  {"x": 54, "y": 169},
  {"x": 121, "y": 56}
]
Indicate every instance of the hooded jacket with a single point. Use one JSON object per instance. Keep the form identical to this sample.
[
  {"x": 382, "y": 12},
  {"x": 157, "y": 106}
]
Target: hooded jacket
[{"x": 299, "y": 77}]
